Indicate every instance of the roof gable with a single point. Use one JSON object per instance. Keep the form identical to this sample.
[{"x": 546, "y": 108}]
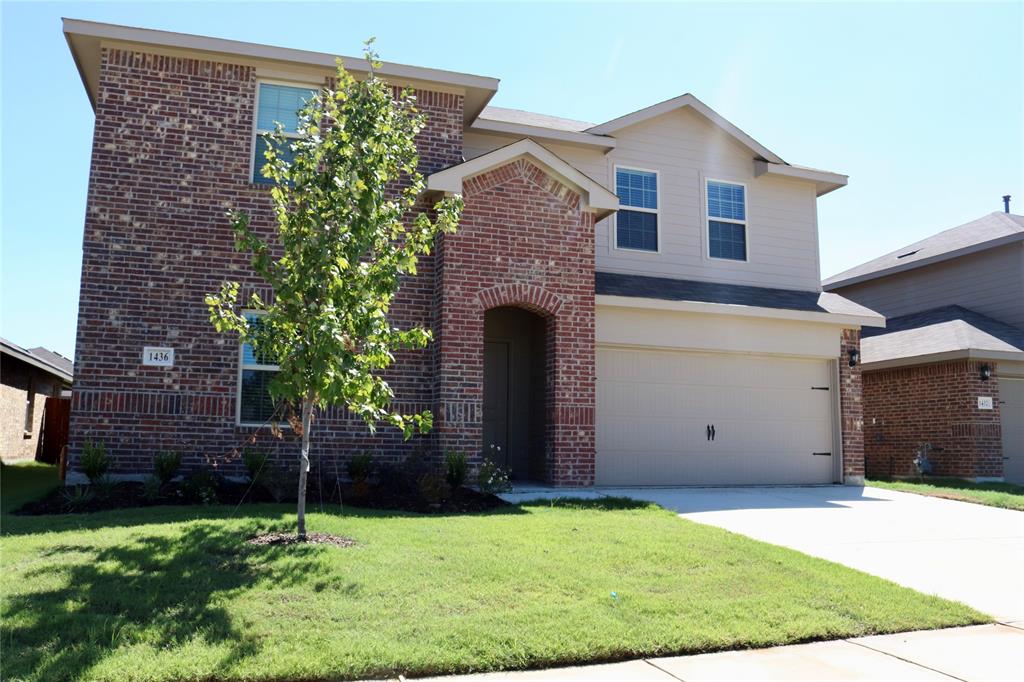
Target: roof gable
[
  {"x": 681, "y": 102},
  {"x": 595, "y": 198}
]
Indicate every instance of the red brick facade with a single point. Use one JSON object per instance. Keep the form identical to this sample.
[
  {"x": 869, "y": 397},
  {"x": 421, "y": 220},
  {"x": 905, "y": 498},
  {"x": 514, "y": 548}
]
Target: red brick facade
[
  {"x": 851, "y": 409},
  {"x": 523, "y": 241},
  {"x": 937, "y": 404},
  {"x": 172, "y": 151}
]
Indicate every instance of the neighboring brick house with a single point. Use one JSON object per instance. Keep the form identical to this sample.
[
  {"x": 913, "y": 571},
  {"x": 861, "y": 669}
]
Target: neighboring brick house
[
  {"x": 635, "y": 302},
  {"x": 949, "y": 367},
  {"x": 27, "y": 378}
]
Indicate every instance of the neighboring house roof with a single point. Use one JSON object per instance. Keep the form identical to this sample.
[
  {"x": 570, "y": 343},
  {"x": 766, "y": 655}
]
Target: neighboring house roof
[
  {"x": 85, "y": 37},
  {"x": 946, "y": 333},
  {"x": 43, "y": 359},
  {"x": 993, "y": 230},
  {"x": 691, "y": 291},
  {"x": 56, "y": 359},
  {"x": 594, "y": 196}
]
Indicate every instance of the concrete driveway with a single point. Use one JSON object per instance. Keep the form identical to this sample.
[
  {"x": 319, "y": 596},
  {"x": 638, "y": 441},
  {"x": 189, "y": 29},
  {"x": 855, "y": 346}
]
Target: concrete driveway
[{"x": 961, "y": 551}]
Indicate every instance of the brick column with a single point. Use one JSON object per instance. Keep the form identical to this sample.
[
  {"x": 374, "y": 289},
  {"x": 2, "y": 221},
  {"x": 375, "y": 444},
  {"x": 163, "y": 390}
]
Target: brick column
[{"x": 851, "y": 410}]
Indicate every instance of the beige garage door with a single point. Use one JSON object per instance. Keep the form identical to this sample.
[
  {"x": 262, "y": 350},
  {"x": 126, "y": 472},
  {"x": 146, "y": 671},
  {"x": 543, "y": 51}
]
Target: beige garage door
[
  {"x": 1011, "y": 407},
  {"x": 771, "y": 420}
]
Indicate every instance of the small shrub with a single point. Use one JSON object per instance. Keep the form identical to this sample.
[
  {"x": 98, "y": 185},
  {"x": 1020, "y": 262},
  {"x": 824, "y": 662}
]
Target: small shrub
[
  {"x": 76, "y": 497},
  {"x": 360, "y": 467},
  {"x": 94, "y": 462},
  {"x": 433, "y": 488},
  {"x": 152, "y": 488},
  {"x": 201, "y": 485},
  {"x": 257, "y": 463},
  {"x": 456, "y": 465},
  {"x": 166, "y": 466},
  {"x": 103, "y": 487},
  {"x": 492, "y": 478}
]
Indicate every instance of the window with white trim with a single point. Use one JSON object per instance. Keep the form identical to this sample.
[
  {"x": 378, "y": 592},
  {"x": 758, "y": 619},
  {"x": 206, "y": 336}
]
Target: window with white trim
[
  {"x": 727, "y": 220},
  {"x": 636, "y": 223},
  {"x": 275, "y": 104},
  {"x": 254, "y": 403}
]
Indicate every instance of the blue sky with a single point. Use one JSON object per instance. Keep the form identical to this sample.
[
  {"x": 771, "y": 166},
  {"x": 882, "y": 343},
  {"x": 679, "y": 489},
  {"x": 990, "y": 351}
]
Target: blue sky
[{"x": 921, "y": 104}]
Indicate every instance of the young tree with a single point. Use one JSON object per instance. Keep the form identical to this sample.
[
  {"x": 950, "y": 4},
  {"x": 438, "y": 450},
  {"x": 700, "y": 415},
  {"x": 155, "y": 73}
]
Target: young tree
[{"x": 344, "y": 242}]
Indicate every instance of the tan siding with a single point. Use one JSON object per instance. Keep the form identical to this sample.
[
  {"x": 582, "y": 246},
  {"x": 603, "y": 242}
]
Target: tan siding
[
  {"x": 684, "y": 148},
  {"x": 990, "y": 283}
]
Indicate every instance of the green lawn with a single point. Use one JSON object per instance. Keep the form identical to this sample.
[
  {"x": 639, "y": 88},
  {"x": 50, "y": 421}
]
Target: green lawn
[
  {"x": 174, "y": 593},
  {"x": 1006, "y": 495},
  {"x": 25, "y": 481}
]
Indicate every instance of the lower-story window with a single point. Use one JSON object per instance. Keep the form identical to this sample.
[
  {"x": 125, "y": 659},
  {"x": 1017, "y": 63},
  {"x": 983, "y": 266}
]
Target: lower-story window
[{"x": 254, "y": 403}]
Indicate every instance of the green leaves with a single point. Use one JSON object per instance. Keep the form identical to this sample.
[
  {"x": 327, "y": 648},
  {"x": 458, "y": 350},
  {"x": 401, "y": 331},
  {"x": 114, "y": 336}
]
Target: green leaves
[{"x": 344, "y": 241}]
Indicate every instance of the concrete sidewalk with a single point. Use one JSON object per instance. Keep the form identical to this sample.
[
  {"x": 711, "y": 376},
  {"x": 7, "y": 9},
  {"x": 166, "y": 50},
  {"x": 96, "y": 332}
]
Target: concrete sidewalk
[{"x": 975, "y": 654}]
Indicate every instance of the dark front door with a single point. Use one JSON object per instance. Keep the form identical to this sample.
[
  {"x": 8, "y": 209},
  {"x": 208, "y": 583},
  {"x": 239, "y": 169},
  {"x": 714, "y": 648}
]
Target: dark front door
[{"x": 496, "y": 401}]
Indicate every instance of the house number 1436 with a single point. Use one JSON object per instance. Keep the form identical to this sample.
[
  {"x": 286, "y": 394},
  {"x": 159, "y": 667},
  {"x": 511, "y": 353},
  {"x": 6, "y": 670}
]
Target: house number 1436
[{"x": 158, "y": 357}]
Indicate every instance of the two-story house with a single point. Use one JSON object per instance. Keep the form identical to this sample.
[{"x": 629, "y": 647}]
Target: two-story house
[
  {"x": 948, "y": 369},
  {"x": 634, "y": 302}
]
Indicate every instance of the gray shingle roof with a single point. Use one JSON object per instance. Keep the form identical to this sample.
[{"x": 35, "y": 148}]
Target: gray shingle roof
[
  {"x": 56, "y": 359},
  {"x": 641, "y": 286},
  {"x": 42, "y": 358},
  {"x": 986, "y": 232},
  {"x": 528, "y": 118},
  {"x": 949, "y": 329}
]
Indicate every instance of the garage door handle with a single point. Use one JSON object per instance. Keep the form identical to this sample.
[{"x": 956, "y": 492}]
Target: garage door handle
[
  {"x": 708, "y": 429},
  {"x": 712, "y": 432},
  {"x": 822, "y": 454}
]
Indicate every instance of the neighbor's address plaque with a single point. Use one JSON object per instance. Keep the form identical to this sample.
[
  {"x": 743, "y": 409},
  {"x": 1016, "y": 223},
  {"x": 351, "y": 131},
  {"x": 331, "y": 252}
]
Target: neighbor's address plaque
[{"x": 154, "y": 356}]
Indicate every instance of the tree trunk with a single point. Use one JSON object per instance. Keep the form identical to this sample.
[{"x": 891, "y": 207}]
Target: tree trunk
[{"x": 307, "y": 414}]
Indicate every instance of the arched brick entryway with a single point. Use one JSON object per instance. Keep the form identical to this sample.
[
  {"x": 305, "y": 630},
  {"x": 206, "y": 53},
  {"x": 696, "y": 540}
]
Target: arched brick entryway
[{"x": 524, "y": 241}]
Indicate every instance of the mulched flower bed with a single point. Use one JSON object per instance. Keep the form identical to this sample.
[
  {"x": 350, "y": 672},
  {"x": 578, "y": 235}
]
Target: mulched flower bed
[
  {"x": 281, "y": 539},
  {"x": 129, "y": 494},
  {"x": 459, "y": 501}
]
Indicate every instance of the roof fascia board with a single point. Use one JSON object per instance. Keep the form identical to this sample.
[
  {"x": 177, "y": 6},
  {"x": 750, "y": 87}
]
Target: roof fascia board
[
  {"x": 931, "y": 358},
  {"x": 483, "y": 125},
  {"x": 837, "y": 319},
  {"x": 78, "y": 33},
  {"x": 931, "y": 260},
  {"x": 30, "y": 359},
  {"x": 824, "y": 180},
  {"x": 597, "y": 199},
  {"x": 686, "y": 100}
]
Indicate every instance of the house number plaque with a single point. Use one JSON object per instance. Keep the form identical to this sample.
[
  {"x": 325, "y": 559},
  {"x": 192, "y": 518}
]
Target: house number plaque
[{"x": 153, "y": 356}]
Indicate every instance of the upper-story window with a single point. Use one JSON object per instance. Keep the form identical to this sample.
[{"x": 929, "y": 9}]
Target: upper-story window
[
  {"x": 727, "y": 220},
  {"x": 255, "y": 406},
  {"x": 276, "y": 103},
  {"x": 636, "y": 227}
]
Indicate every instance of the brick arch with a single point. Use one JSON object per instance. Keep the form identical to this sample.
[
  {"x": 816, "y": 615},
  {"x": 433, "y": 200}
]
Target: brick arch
[{"x": 530, "y": 297}]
